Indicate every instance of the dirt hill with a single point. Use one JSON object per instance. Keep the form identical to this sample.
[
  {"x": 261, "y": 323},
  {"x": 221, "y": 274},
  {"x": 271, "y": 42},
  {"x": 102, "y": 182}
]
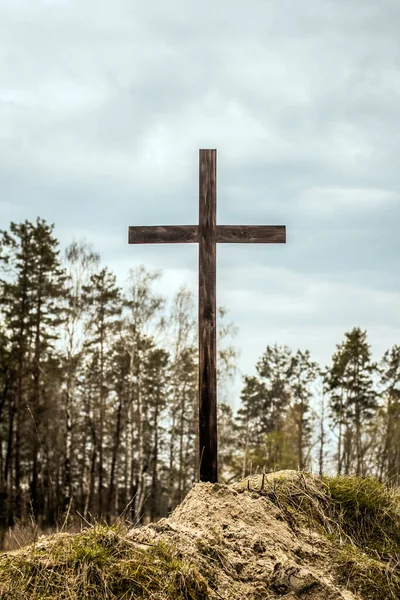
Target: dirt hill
[{"x": 287, "y": 535}]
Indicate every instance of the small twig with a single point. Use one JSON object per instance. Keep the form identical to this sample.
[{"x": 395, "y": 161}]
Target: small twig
[
  {"x": 82, "y": 517},
  {"x": 67, "y": 515}
]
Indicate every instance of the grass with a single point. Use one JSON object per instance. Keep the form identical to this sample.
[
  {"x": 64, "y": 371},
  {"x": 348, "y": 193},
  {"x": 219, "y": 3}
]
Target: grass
[
  {"x": 361, "y": 516},
  {"x": 368, "y": 513},
  {"x": 99, "y": 563},
  {"x": 372, "y": 578}
]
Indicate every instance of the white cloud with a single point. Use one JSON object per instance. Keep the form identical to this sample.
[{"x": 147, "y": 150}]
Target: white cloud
[{"x": 340, "y": 201}]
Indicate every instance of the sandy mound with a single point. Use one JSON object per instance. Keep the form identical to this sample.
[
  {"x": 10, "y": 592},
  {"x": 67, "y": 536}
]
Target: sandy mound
[
  {"x": 285, "y": 535},
  {"x": 245, "y": 547}
]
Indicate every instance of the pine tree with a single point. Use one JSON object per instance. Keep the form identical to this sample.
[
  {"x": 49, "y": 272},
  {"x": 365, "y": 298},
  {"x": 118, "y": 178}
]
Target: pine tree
[
  {"x": 353, "y": 398},
  {"x": 264, "y": 403},
  {"x": 254, "y": 398},
  {"x": 31, "y": 307},
  {"x": 47, "y": 285},
  {"x": 389, "y": 459},
  {"x": 302, "y": 373},
  {"x": 16, "y": 252}
]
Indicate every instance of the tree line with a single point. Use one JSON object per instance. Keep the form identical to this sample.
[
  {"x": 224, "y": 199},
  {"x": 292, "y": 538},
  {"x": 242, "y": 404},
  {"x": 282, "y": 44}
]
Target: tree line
[
  {"x": 98, "y": 393},
  {"x": 343, "y": 418}
]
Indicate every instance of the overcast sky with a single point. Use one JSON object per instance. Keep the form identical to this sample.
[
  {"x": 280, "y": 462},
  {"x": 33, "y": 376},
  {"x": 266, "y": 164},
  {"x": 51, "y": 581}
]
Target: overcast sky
[{"x": 104, "y": 106}]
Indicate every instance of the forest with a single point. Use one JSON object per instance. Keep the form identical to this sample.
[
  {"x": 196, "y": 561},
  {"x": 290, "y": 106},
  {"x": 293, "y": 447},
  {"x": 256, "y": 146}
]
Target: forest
[{"x": 98, "y": 393}]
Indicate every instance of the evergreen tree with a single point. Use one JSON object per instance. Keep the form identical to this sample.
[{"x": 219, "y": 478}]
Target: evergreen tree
[
  {"x": 353, "y": 398},
  {"x": 18, "y": 261},
  {"x": 264, "y": 403},
  {"x": 389, "y": 449},
  {"x": 30, "y": 304},
  {"x": 303, "y": 372},
  {"x": 47, "y": 284},
  {"x": 254, "y": 397}
]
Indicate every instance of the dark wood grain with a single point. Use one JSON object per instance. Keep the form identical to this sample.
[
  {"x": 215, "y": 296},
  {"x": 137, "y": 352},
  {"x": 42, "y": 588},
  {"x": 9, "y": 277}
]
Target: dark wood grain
[
  {"x": 207, "y": 317},
  {"x": 170, "y": 234},
  {"x": 252, "y": 234}
]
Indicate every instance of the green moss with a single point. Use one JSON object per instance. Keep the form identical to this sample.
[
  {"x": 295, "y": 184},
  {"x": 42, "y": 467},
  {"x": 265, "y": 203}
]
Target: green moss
[
  {"x": 99, "y": 563},
  {"x": 368, "y": 515},
  {"x": 371, "y": 578},
  {"x": 368, "y": 512}
]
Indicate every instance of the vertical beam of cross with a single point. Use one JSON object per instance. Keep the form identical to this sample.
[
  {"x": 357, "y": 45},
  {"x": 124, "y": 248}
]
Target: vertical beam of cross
[
  {"x": 207, "y": 316},
  {"x": 207, "y": 234}
]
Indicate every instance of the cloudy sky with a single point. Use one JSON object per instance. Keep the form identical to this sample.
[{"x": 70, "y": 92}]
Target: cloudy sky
[{"x": 104, "y": 106}]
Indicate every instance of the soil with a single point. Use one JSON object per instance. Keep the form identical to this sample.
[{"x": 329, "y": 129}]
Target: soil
[{"x": 244, "y": 545}]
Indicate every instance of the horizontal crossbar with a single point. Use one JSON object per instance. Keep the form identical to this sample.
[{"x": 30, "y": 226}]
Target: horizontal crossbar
[
  {"x": 170, "y": 234},
  {"x": 252, "y": 234},
  {"x": 225, "y": 234}
]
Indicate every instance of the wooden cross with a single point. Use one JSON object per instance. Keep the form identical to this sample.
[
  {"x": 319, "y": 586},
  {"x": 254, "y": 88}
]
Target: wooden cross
[{"x": 207, "y": 233}]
